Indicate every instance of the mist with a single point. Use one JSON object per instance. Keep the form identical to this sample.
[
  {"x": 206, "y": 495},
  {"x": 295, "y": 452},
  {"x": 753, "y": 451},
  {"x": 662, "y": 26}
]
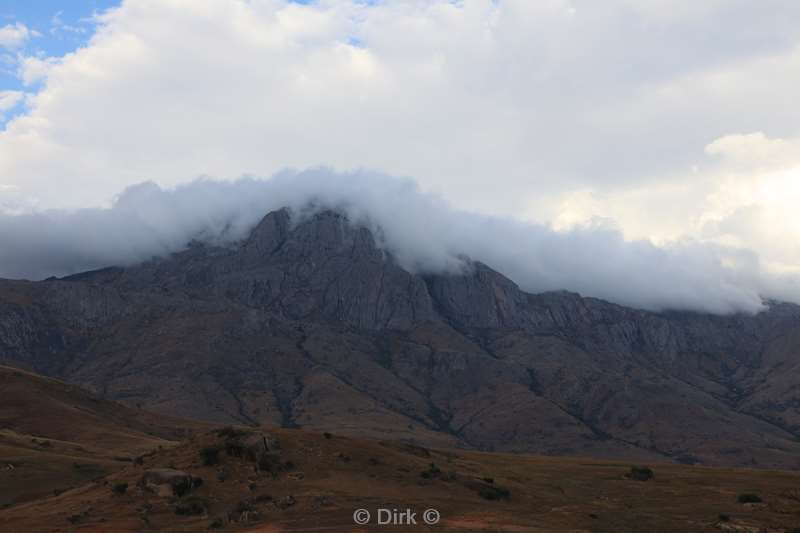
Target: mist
[{"x": 420, "y": 229}]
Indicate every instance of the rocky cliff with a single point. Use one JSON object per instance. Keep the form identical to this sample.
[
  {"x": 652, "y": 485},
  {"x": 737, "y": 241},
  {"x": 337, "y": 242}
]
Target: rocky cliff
[{"x": 309, "y": 322}]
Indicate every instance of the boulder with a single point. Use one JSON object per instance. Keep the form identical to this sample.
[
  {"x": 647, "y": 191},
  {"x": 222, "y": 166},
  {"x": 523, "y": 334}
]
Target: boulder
[{"x": 166, "y": 482}]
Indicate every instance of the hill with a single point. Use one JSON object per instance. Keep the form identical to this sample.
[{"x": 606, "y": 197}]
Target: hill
[
  {"x": 275, "y": 480},
  {"x": 54, "y": 435},
  {"x": 310, "y": 323}
]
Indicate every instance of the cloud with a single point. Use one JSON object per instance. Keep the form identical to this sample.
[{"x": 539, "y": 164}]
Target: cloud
[
  {"x": 32, "y": 69},
  {"x": 422, "y": 230},
  {"x": 560, "y": 95},
  {"x": 668, "y": 127},
  {"x": 15, "y": 35},
  {"x": 9, "y": 99}
]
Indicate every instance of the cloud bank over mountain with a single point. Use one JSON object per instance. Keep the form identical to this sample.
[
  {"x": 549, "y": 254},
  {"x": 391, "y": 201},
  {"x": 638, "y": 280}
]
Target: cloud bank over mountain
[
  {"x": 656, "y": 134},
  {"x": 420, "y": 229}
]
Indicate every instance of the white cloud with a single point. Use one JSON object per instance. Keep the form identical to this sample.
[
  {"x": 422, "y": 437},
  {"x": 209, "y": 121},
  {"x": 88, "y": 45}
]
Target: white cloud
[
  {"x": 423, "y": 231},
  {"x": 33, "y": 69},
  {"x": 9, "y": 99},
  {"x": 565, "y": 111},
  {"x": 14, "y": 35},
  {"x": 538, "y": 96},
  {"x": 746, "y": 197}
]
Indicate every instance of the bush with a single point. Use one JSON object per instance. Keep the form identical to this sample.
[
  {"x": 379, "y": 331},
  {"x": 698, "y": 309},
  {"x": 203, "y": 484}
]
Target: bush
[
  {"x": 192, "y": 505},
  {"x": 210, "y": 455},
  {"x": 217, "y": 523},
  {"x": 493, "y": 492},
  {"x": 268, "y": 462},
  {"x": 230, "y": 432},
  {"x": 641, "y": 473},
  {"x": 182, "y": 487},
  {"x": 749, "y": 497},
  {"x": 234, "y": 448},
  {"x": 432, "y": 472},
  {"x": 120, "y": 488},
  {"x": 243, "y": 507}
]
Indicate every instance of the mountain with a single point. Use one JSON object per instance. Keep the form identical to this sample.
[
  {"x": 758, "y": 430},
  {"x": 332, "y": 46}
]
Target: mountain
[
  {"x": 54, "y": 435},
  {"x": 309, "y": 322}
]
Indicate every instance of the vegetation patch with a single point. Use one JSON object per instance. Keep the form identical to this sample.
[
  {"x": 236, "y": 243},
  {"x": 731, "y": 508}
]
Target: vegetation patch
[
  {"x": 431, "y": 472},
  {"x": 641, "y": 473},
  {"x": 749, "y": 497},
  {"x": 494, "y": 492},
  {"x": 192, "y": 505},
  {"x": 230, "y": 432},
  {"x": 210, "y": 455}
]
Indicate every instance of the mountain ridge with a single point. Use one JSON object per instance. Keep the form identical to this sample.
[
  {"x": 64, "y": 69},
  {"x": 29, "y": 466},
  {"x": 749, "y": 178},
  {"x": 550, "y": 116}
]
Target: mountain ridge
[{"x": 309, "y": 322}]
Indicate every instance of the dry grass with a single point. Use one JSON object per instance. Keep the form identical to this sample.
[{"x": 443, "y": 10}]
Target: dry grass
[{"x": 330, "y": 478}]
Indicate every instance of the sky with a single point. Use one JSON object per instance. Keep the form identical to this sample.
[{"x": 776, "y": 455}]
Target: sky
[{"x": 668, "y": 123}]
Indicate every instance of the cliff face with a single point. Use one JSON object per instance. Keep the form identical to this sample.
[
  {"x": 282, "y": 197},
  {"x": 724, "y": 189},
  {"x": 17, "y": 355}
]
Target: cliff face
[{"x": 311, "y": 323}]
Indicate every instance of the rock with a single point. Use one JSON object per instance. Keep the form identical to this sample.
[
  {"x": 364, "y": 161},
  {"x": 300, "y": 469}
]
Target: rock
[
  {"x": 167, "y": 482},
  {"x": 258, "y": 444}
]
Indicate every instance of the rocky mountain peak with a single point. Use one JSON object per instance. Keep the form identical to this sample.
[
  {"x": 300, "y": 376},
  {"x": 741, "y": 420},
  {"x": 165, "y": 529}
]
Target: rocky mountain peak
[{"x": 310, "y": 321}]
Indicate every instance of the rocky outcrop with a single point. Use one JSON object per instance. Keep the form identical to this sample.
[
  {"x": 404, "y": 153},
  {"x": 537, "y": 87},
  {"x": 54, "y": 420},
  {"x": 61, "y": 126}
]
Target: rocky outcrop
[
  {"x": 309, "y": 321},
  {"x": 166, "y": 482}
]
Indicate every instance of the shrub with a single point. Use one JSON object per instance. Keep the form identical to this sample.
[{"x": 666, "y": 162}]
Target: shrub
[
  {"x": 269, "y": 462},
  {"x": 120, "y": 488},
  {"x": 230, "y": 432},
  {"x": 432, "y": 472},
  {"x": 182, "y": 487},
  {"x": 641, "y": 473},
  {"x": 234, "y": 448},
  {"x": 749, "y": 497},
  {"x": 493, "y": 492},
  {"x": 192, "y": 505},
  {"x": 217, "y": 523},
  {"x": 210, "y": 455}
]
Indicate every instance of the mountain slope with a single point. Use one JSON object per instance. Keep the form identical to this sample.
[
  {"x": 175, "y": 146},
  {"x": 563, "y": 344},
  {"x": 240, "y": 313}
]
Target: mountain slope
[
  {"x": 310, "y": 322},
  {"x": 54, "y": 435}
]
